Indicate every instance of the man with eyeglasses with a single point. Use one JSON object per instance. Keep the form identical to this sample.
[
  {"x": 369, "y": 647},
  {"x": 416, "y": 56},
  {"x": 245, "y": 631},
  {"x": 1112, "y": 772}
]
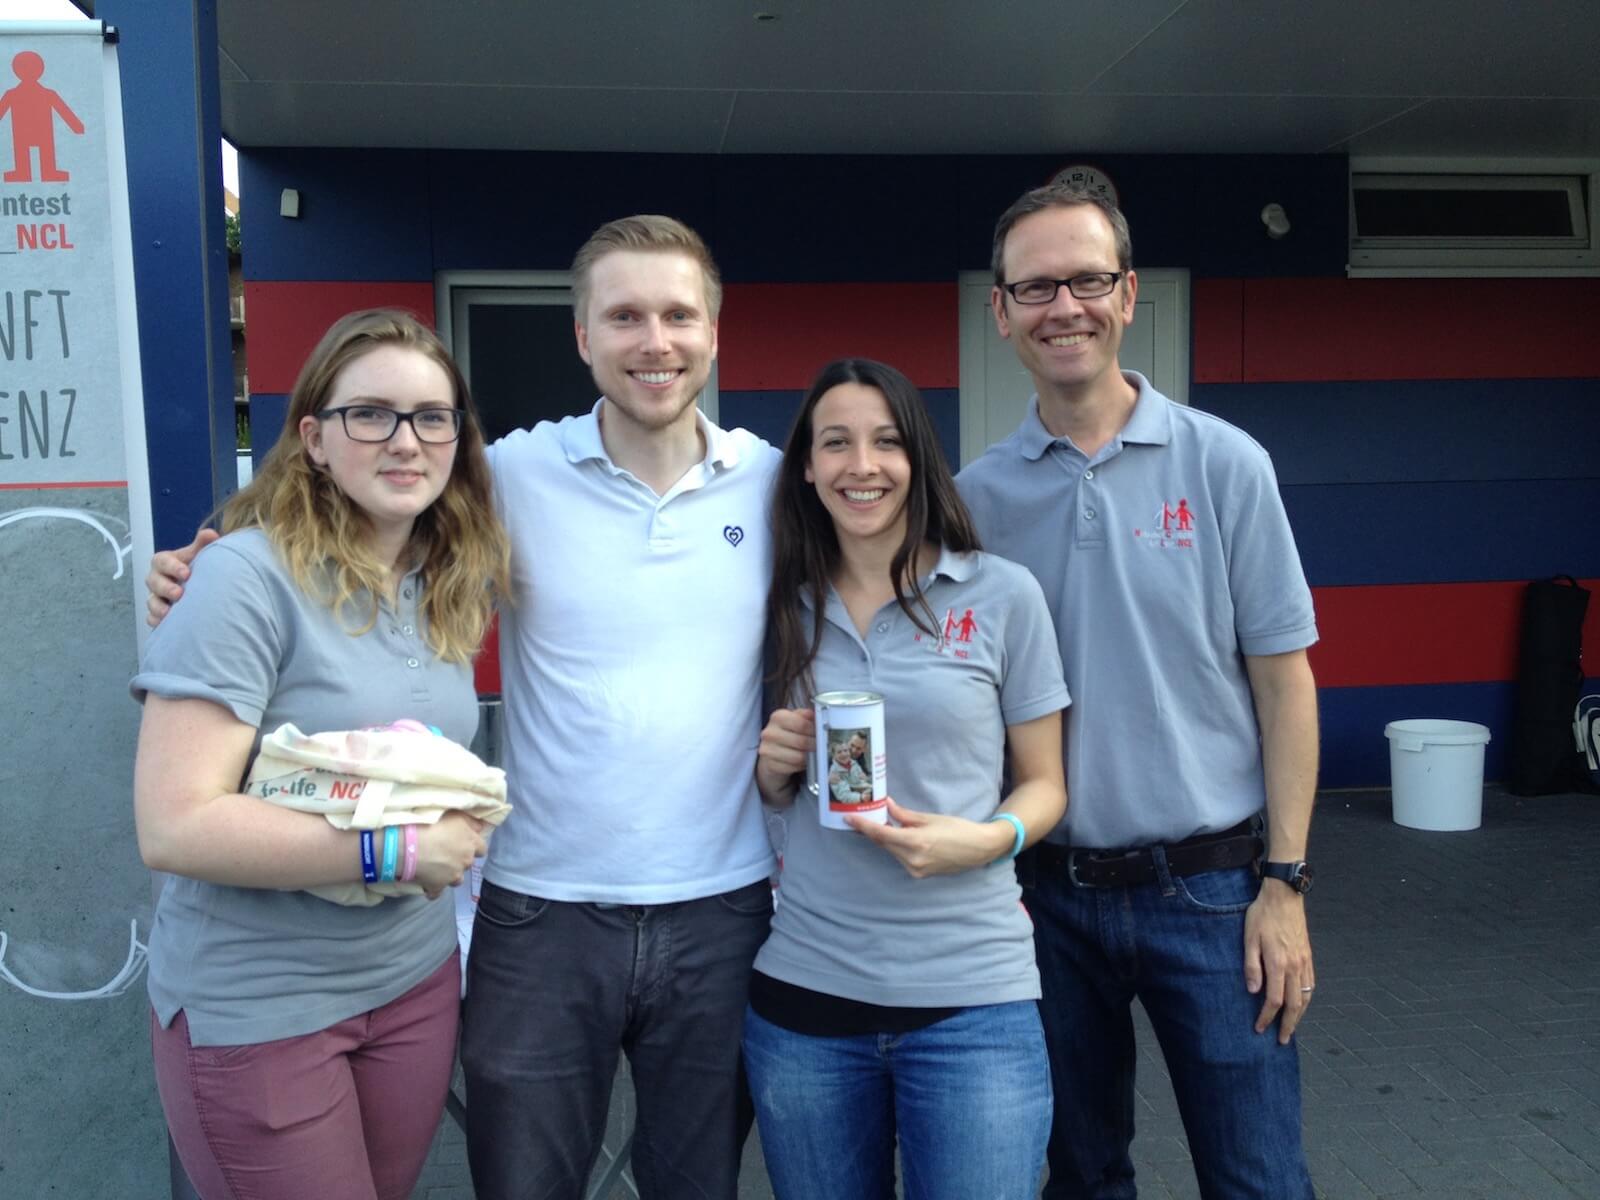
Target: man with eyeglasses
[{"x": 1183, "y": 617}]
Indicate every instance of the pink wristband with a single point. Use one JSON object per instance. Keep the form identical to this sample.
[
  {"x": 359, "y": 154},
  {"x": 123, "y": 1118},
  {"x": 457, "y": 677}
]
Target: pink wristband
[{"x": 409, "y": 871}]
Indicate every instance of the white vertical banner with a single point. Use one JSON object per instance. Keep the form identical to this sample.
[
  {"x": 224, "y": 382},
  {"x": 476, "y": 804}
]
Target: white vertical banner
[
  {"x": 73, "y": 467},
  {"x": 74, "y": 533}
]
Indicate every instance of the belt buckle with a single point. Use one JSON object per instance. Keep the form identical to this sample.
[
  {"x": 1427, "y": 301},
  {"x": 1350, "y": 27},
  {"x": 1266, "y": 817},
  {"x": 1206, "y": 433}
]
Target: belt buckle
[
  {"x": 1098, "y": 856},
  {"x": 1072, "y": 868}
]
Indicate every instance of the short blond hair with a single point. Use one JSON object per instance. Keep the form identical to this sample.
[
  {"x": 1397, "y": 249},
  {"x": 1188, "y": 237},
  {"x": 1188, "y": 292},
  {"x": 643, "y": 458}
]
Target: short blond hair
[{"x": 650, "y": 233}]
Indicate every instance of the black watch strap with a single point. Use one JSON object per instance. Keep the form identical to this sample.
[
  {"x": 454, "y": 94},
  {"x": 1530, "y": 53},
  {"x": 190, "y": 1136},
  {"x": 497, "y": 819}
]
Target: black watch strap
[{"x": 1297, "y": 875}]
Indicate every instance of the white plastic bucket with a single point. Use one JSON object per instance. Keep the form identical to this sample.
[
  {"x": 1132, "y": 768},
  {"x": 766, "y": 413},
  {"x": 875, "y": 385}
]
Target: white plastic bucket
[{"x": 1436, "y": 768}]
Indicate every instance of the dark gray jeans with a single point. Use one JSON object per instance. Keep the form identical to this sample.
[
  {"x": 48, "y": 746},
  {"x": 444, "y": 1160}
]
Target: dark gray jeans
[{"x": 555, "y": 990}]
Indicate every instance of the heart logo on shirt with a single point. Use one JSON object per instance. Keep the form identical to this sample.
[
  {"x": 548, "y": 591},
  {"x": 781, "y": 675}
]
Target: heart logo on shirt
[{"x": 733, "y": 533}]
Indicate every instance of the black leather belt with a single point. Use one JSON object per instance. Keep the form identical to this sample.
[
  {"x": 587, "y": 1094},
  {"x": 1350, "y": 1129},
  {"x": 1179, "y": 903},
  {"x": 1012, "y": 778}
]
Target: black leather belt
[{"x": 1236, "y": 847}]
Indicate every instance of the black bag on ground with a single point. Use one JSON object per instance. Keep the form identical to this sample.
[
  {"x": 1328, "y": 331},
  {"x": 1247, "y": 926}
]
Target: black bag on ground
[{"x": 1542, "y": 757}]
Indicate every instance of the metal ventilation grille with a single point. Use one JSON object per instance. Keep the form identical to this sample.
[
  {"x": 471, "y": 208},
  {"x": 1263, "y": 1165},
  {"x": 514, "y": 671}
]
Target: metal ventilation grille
[{"x": 1461, "y": 222}]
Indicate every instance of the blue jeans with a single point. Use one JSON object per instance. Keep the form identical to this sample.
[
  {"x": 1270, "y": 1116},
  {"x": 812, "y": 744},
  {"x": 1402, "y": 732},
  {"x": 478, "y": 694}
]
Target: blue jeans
[
  {"x": 555, "y": 991},
  {"x": 968, "y": 1096},
  {"x": 1178, "y": 945}
]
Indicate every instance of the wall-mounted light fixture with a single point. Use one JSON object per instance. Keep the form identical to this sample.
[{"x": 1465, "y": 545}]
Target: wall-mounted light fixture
[
  {"x": 289, "y": 203},
  {"x": 1276, "y": 221}
]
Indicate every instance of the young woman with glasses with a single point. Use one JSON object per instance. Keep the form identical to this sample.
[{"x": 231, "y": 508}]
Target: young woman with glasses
[
  {"x": 303, "y": 1048},
  {"x": 895, "y": 1000}
]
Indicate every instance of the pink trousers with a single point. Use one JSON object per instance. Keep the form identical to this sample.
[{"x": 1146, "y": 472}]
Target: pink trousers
[{"x": 347, "y": 1113}]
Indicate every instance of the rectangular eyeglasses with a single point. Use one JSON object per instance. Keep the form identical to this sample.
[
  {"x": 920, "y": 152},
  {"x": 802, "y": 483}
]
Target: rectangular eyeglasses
[
  {"x": 1084, "y": 287},
  {"x": 374, "y": 423}
]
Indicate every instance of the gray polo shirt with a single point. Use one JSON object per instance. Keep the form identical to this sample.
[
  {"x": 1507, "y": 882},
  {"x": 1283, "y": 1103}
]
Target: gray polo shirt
[
  {"x": 253, "y": 964},
  {"x": 1164, "y": 559},
  {"x": 850, "y": 922}
]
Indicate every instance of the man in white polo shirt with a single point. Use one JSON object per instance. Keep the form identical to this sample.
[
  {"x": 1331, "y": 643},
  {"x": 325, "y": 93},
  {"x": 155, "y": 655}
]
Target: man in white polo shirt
[
  {"x": 1183, "y": 618},
  {"x": 624, "y": 900}
]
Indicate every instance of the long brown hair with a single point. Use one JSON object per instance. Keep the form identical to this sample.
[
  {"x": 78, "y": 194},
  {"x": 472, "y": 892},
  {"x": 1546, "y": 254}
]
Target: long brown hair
[
  {"x": 323, "y": 536},
  {"x": 806, "y": 548}
]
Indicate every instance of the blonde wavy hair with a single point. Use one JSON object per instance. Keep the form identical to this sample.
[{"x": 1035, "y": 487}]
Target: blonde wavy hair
[{"x": 323, "y": 536}]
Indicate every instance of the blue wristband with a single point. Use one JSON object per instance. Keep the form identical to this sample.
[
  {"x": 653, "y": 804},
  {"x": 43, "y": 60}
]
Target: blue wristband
[
  {"x": 1022, "y": 834},
  {"x": 391, "y": 853},
  {"x": 369, "y": 860}
]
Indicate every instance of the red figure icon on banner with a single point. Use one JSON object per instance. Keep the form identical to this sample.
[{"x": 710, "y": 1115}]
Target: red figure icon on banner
[{"x": 31, "y": 106}]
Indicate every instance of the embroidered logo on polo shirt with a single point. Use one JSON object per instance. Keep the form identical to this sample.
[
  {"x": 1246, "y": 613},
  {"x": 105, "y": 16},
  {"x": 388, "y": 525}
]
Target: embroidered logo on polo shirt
[
  {"x": 1173, "y": 529},
  {"x": 733, "y": 533},
  {"x": 957, "y": 633}
]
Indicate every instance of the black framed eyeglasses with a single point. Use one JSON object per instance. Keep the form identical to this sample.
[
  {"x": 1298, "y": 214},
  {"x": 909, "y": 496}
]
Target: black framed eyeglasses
[
  {"x": 1084, "y": 287},
  {"x": 374, "y": 423}
]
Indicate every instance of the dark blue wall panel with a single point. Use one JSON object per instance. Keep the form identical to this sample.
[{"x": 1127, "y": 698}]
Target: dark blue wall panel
[
  {"x": 1445, "y": 532},
  {"x": 766, "y": 414},
  {"x": 770, "y": 414},
  {"x": 168, "y": 70},
  {"x": 1356, "y": 754},
  {"x": 1418, "y": 430},
  {"x": 810, "y": 219},
  {"x": 768, "y": 218},
  {"x": 267, "y": 413},
  {"x": 510, "y": 211},
  {"x": 1202, "y": 212},
  {"x": 363, "y": 215}
]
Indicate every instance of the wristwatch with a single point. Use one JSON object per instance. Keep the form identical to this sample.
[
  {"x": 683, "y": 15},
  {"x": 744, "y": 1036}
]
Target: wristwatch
[{"x": 1297, "y": 875}]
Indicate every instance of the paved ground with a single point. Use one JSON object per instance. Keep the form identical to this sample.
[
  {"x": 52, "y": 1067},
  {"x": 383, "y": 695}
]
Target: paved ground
[{"x": 1454, "y": 1046}]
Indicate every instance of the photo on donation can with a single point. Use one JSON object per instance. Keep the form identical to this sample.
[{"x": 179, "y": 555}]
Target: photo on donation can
[{"x": 851, "y": 768}]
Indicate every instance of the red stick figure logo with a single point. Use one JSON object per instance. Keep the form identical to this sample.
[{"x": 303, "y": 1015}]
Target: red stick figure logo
[
  {"x": 32, "y": 105},
  {"x": 959, "y": 630},
  {"x": 1180, "y": 516}
]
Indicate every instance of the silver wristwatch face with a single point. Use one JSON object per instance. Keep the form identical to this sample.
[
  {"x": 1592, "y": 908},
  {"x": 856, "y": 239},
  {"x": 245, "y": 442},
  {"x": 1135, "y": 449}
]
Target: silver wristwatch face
[{"x": 1297, "y": 875}]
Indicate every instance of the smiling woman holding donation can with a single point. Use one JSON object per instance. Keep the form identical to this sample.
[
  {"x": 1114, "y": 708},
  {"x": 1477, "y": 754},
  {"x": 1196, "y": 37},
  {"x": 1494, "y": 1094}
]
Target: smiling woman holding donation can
[
  {"x": 304, "y": 1048},
  {"x": 896, "y": 996}
]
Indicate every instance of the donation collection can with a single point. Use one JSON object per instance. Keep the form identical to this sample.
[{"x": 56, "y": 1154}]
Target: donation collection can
[{"x": 850, "y": 772}]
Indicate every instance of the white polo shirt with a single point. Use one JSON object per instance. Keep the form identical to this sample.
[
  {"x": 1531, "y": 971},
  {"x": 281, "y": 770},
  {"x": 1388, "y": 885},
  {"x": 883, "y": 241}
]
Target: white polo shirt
[{"x": 631, "y": 664}]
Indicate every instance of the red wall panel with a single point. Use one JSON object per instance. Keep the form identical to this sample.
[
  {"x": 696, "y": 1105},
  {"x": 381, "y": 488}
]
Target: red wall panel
[
  {"x": 774, "y": 336},
  {"x": 1427, "y": 633},
  {"x": 486, "y": 667},
  {"x": 1218, "y": 330},
  {"x": 1325, "y": 329},
  {"x": 284, "y": 321}
]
